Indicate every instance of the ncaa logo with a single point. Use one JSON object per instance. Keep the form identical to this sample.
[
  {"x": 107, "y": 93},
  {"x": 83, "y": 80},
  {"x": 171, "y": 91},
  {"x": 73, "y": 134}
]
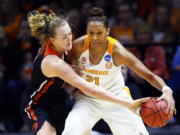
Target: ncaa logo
[{"x": 107, "y": 57}]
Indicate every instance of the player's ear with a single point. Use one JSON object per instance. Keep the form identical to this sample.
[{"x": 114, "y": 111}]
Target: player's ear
[
  {"x": 108, "y": 31},
  {"x": 51, "y": 40}
]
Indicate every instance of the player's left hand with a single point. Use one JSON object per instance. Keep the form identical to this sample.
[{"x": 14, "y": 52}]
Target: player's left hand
[
  {"x": 136, "y": 104},
  {"x": 167, "y": 95}
]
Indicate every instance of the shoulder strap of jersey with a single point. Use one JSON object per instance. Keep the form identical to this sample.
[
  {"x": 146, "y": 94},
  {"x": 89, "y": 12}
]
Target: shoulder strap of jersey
[{"x": 111, "y": 44}]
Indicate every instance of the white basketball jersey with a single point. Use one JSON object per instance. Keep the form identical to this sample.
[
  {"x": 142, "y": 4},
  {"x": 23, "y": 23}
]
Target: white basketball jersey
[{"x": 104, "y": 74}]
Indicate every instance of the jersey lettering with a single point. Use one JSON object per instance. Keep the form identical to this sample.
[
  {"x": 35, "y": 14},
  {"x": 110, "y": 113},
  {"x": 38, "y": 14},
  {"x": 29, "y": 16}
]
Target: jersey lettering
[{"x": 91, "y": 79}]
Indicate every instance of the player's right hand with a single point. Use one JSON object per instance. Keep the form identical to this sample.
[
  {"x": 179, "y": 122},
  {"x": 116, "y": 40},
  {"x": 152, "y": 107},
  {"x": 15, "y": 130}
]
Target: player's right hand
[
  {"x": 136, "y": 104},
  {"x": 167, "y": 95}
]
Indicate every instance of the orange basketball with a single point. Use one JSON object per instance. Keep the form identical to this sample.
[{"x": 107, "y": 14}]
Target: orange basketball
[{"x": 154, "y": 114}]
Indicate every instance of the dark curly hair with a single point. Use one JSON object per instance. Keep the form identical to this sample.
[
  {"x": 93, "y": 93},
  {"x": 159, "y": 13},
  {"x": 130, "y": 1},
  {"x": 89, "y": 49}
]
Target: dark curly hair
[{"x": 97, "y": 14}]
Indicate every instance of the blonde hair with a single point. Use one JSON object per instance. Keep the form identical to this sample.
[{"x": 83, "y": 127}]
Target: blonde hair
[{"x": 43, "y": 25}]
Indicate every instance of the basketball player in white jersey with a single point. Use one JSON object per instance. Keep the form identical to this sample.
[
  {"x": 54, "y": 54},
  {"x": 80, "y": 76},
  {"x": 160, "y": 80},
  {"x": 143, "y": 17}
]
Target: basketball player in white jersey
[{"x": 100, "y": 57}]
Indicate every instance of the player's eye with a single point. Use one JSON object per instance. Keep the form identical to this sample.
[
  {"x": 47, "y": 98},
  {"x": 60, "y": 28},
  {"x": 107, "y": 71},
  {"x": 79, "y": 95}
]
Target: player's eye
[
  {"x": 64, "y": 37},
  {"x": 99, "y": 33}
]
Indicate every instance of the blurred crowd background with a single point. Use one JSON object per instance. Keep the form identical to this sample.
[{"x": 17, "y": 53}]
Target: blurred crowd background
[{"x": 150, "y": 29}]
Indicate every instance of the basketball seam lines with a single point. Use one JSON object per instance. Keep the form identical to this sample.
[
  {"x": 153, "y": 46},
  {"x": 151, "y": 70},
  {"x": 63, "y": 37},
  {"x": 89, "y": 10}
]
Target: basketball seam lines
[{"x": 155, "y": 113}]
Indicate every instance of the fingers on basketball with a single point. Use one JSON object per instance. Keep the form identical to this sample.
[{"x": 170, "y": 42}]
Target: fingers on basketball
[{"x": 154, "y": 114}]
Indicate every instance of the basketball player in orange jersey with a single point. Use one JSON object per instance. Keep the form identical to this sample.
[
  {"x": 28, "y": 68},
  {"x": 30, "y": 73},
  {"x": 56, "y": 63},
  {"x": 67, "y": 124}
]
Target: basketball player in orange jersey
[
  {"x": 44, "y": 100},
  {"x": 99, "y": 57}
]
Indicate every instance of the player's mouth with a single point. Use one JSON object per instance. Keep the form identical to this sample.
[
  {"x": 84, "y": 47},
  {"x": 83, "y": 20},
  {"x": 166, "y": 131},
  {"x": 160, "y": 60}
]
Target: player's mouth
[{"x": 95, "y": 42}]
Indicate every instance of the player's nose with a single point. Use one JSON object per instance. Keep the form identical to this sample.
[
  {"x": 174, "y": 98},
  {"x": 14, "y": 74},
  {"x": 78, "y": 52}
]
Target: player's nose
[{"x": 94, "y": 37}]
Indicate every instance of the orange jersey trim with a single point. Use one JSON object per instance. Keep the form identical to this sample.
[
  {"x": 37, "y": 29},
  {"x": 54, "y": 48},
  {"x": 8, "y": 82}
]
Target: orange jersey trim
[
  {"x": 34, "y": 126},
  {"x": 43, "y": 91},
  {"x": 110, "y": 44},
  {"x": 50, "y": 51},
  {"x": 37, "y": 97}
]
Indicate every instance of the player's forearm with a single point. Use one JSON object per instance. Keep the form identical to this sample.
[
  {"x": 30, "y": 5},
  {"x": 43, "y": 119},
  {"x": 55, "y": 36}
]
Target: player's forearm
[
  {"x": 107, "y": 96},
  {"x": 100, "y": 93},
  {"x": 146, "y": 74},
  {"x": 69, "y": 75},
  {"x": 157, "y": 82}
]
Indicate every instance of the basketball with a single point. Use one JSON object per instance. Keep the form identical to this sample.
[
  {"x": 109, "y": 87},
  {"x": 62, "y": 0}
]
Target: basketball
[{"x": 154, "y": 114}]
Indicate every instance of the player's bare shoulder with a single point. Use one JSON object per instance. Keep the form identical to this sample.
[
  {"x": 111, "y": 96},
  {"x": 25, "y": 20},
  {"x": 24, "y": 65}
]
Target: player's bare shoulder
[
  {"x": 78, "y": 44},
  {"x": 118, "y": 53},
  {"x": 47, "y": 64},
  {"x": 77, "y": 48},
  {"x": 117, "y": 48}
]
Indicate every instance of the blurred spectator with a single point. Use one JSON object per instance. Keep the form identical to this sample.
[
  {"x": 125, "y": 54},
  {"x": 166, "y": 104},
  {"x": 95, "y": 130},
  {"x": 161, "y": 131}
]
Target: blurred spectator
[
  {"x": 163, "y": 31},
  {"x": 133, "y": 4},
  {"x": 134, "y": 89},
  {"x": 12, "y": 118},
  {"x": 174, "y": 82},
  {"x": 175, "y": 19},
  {"x": 3, "y": 88},
  {"x": 176, "y": 60},
  {"x": 101, "y": 3},
  {"x": 24, "y": 42},
  {"x": 174, "y": 6},
  {"x": 145, "y": 8},
  {"x": 65, "y": 4},
  {"x": 25, "y": 73},
  {"x": 25, "y": 5},
  {"x": 155, "y": 60},
  {"x": 55, "y": 7},
  {"x": 112, "y": 20},
  {"x": 2, "y": 84},
  {"x": 15, "y": 87},
  {"x": 3, "y": 39},
  {"x": 23, "y": 38},
  {"x": 125, "y": 22},
  {"x": 154, "y": 57},
  {"x": 74, "y": 20},
  {"x": 10, "y": 19},
  {"x": 2, "y": 70},
  {"x": 85, "y": 7},
  {"x": 2, "y": 91}
]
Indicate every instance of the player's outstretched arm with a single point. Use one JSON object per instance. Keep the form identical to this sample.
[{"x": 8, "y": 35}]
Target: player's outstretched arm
[
  {"x": 52, "y": 66},
  {"x": 122, "y": 56}
]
